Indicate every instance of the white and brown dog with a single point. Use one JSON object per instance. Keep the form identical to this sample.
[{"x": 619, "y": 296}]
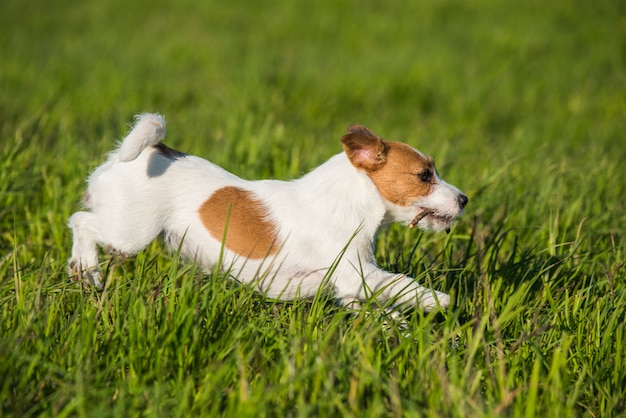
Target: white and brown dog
[{"x": 289, "y": 238}]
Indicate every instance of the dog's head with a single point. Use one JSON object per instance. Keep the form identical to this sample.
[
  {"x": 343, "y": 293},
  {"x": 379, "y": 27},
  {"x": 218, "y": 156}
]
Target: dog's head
[{"x": 406, "y": 179}]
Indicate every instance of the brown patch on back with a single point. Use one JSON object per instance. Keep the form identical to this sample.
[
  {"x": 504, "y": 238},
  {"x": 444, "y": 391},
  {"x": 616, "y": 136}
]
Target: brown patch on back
[
  {"x": 394, "y": 167},
  {"x": 248, "y": 231}
]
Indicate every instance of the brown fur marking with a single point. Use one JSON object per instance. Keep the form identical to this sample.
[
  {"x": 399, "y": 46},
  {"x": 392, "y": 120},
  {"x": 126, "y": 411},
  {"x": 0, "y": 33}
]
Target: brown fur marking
[
  {"x": 249, "y": 232},
  {"x": 393, "y": 166},
  {"x": 397, "y": 180}
]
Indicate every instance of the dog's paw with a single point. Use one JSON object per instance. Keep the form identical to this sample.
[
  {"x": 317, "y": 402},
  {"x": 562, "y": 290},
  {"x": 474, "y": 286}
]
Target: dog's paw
[
  {"x": 433, "y": 299},
  {"x": 72, "y": 268},
  {"x": 84, "y": 276}
]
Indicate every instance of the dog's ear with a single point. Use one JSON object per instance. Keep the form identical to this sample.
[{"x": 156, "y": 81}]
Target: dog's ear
[
  {"x": 362, "y": 130},
  {"x": 364, "y": 148}
]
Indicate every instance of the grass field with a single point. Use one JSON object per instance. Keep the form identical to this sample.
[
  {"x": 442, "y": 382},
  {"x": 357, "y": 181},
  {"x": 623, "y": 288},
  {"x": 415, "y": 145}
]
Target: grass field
[{"x": 523, "y": 106}]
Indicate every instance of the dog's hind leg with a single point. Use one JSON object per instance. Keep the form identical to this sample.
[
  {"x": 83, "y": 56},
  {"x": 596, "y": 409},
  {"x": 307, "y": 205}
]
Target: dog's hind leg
[{"x": 84, "y": 261}]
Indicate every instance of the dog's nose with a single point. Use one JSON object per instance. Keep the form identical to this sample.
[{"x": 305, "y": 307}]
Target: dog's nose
[{"x": 462, "y": 199}]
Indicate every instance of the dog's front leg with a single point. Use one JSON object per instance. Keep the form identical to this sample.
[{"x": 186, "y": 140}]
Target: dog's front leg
[
  {"x": 403, "y": 291},
  {"x": 399, "y": 289}
]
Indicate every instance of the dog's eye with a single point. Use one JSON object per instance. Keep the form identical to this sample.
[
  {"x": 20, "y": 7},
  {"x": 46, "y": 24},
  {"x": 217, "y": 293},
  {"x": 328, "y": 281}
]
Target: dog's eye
[{"x": 425, "y": 176}]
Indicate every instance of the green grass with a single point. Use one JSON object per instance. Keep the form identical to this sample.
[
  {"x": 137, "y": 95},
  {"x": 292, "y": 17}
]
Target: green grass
[{"x": 522, "y": 105}]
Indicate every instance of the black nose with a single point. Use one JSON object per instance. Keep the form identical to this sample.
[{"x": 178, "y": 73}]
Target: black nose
[{"x": 462, "y": 199}]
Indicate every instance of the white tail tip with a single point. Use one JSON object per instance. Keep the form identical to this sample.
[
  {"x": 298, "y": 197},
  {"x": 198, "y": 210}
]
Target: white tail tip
[{"x": 148, "y": 130}]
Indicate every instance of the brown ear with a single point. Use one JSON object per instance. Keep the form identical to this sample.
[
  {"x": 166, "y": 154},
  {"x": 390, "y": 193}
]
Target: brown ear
[
  {"x": 360, "y": 129},
  {"x": 364, "y": 149}
]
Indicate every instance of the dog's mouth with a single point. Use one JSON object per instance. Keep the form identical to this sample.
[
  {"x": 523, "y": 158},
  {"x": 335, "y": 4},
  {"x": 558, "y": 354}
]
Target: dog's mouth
[
  {"x": 442, "y": 221},
  {"x": 421, "y": 215}
]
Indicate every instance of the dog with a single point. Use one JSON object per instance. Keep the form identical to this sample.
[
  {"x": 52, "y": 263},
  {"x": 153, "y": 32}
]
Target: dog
[{"x": 288, "y": 238}]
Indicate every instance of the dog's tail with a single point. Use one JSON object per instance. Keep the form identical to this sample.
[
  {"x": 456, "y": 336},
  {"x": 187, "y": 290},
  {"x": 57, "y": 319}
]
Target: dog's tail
[{"x": 148, "y": 130}]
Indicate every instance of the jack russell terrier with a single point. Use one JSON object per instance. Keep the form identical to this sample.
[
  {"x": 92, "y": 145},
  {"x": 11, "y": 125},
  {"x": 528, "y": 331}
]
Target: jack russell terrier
[{"x": 288, "y": 238}]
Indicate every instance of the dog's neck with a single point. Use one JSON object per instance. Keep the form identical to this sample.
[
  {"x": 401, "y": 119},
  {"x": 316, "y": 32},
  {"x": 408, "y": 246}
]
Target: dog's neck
[{"x": 351, "y": 199}]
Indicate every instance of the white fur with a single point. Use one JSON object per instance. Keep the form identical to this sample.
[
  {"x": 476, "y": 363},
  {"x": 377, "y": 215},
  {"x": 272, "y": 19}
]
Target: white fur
[{"x": 327, "y": 221}]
